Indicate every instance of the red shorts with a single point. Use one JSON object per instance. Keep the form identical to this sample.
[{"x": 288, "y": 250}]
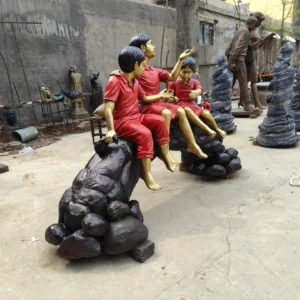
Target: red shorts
[
  {"x": 139, "y": 131},
  {"x": 157, "y": 107},
  {"x": 192, "y": 105}
]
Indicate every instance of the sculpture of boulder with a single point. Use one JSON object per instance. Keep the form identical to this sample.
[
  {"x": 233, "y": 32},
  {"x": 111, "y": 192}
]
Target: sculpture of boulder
[
  {"x": 55, "y": 234},
  {"x": 215, "y": 171},
  {"x": 79, "y": 245},
  {"x": 74, "y": 215},
  {"x": 233, "y": 153},
  {"x": 117, "y": 210},
  {"x": 135, "y": 210},
  {"x": 234, "y": 165},
  {"x": 124, "y": 235},
  {"x": 95, "y": 225},
  {"x": 223, "y": 158}
]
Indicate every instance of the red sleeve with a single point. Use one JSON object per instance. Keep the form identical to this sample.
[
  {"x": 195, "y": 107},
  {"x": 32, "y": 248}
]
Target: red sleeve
[
  {"x": 163, "y": 75},
  {"x": 171, "y": 86},
  {"x": 197, "y": 85},
  {"x": 141, "y": 92},
  {"x": 112, "y": 89}
]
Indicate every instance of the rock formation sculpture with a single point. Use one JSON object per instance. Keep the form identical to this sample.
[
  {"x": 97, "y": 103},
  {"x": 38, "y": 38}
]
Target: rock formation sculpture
[
  {"x": 221, "y": 96},
  {"x": 278, "y": 127}
]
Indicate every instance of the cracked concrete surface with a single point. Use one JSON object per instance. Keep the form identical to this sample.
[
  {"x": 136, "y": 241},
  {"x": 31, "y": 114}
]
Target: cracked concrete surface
[{"x": 227, "y": 240}]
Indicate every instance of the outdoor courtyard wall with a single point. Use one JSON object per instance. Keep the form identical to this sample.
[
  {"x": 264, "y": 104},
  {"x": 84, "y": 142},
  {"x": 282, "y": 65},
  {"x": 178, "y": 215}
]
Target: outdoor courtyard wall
[{"x": 86, "y": 33}]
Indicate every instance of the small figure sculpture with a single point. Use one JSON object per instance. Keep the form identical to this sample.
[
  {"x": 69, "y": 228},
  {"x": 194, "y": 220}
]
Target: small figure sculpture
[
  {"x": 278, "y": 127},
  {"x": 295, "y": 104},
  {"x": 124, "y": 118},
  {"x": 96, "y": 98},
  {"x": 186, "y": 90},
  {"x": 46, "y": 93},
  {"x": 77, "y": 86},
  {"x": 221, "y": 96}
]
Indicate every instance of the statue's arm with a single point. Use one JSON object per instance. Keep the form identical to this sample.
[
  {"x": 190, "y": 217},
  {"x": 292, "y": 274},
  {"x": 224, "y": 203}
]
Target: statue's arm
[
  {"x": 176, "y": 70},
  {"x": 109, "y": 108}
]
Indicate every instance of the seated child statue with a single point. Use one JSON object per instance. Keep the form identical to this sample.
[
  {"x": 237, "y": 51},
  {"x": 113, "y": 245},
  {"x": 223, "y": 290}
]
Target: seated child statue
[
  {"x": 124, "y": 118},
  {"x": 186, "y": 90}
]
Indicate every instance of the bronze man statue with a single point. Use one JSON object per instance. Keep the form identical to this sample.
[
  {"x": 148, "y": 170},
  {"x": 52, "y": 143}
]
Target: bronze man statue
[{"x": 237, "y": 55}]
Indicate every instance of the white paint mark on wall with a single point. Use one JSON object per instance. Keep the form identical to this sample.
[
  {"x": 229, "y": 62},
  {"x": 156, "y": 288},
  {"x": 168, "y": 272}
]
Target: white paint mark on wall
[{"x": 47, "y": 28}]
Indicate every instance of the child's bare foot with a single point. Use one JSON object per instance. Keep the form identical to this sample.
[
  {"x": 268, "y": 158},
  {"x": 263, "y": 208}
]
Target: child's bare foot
[
  {"x": 211, "y": 133},
  {"x": 221, "y": 133},
  {"x": 197, "y": 151},
  {"x": 174, "y": 160},
  {"x": 150, "y": 182},
  {"x": 170, "y": 163}
]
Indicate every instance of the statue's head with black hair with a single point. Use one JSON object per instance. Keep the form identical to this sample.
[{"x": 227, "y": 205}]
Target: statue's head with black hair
[
  {"x": 131, "y": 59},
  {"x": 188, "y": 68},
  {"x": 189, "y": 62},
  {"x": 143, "y": 42}
]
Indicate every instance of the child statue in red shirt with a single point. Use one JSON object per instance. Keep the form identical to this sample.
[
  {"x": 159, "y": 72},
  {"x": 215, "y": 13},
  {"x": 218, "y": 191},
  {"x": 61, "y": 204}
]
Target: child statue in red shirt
[
  {"x": 186, "y": 90},
  {"x": 124, "y": 118}
]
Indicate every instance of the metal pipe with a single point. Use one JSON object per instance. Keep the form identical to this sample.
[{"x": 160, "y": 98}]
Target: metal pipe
[{"x": 25, "y": 135}]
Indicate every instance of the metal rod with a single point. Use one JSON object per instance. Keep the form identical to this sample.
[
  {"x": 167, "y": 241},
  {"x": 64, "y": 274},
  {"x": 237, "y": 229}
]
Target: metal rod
[
  {"x": 9, "y": 81},
  {"x": 163, "y": 33},
  {"x": 17, "y": 22},
  {"x": 13, "y": 30},
  {"x": 17, "y": 93}
]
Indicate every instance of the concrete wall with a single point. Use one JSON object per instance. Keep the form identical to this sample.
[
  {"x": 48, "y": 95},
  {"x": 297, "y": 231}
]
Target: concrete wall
[{"x": 87, "y": 33}]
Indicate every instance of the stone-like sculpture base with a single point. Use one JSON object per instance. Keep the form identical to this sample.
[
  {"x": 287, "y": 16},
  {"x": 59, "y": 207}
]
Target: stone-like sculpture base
[
  {"x": 79, "y": 113},
  {"x": 95, "y": 214},
  {"x": 220, "y": 162}
]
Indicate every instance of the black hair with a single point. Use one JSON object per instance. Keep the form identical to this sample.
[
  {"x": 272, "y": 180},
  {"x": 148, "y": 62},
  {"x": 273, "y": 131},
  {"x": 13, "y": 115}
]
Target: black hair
[
  {"x": 128, "y": 57},
  {"x": 189, "y": 62},
  {"x": 251, "y": 20},
  {"x": 139, "y": 40}
]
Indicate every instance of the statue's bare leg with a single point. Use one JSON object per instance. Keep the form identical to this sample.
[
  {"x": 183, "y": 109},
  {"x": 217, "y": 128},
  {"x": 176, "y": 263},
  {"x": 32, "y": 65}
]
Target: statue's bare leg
[
  {"x": 147, "y": 175},
  {"x": 254, "y": 91},
  {"x": 167, "y": 158},
  {"x": 212, "y": 123},
  {"x": 187, "y": 132},
  {"x": 168, "y": 117},
  {"x": 192, "y": 117}
]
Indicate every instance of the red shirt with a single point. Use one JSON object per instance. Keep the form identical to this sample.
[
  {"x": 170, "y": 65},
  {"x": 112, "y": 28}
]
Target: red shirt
[
  {"x": 125, "y": 96},
  {"x": 150, "y": 80},
  {"x": 182, "y": 91}
]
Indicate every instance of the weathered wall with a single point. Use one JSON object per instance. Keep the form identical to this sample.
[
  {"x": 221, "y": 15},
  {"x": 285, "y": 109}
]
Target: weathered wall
[
  {"x": 226, "y": 21},
  {"x": 87, "y": 33}
]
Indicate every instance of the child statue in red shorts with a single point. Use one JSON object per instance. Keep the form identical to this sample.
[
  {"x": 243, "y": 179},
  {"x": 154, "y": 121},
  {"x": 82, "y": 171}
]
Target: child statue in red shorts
[
  {"x": 124, "y": 118},
  {"x": 186, "y": 90}
]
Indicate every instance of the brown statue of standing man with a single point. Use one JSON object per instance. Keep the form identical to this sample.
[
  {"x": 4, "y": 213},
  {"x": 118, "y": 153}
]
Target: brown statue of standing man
[{"x": 77, "y": 86}]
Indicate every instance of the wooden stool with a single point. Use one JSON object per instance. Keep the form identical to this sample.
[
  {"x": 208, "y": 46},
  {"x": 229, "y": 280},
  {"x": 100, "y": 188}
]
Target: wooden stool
[{"x": 94, "y": 123}]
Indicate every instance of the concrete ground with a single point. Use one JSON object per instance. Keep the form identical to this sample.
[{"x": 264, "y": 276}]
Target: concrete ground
[{"x": 215, "y": 240}]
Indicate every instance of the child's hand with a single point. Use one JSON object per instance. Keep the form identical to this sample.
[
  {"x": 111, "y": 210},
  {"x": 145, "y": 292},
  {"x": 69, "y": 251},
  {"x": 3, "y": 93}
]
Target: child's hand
[
  {"x": 166, "y": 95},
  {"x": 175, "y": 99},
  {"x": 109, "y": 136},
  {"x": 194, "y": 94},
  {"x": 186, "y": 54}
]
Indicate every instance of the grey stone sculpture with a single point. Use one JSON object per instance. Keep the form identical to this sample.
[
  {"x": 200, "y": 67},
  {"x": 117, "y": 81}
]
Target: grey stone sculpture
[
  {"x": 221, "y": 96},
  {"x": 295, "y": 104},
  {"x": 278, "y": 127}
]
